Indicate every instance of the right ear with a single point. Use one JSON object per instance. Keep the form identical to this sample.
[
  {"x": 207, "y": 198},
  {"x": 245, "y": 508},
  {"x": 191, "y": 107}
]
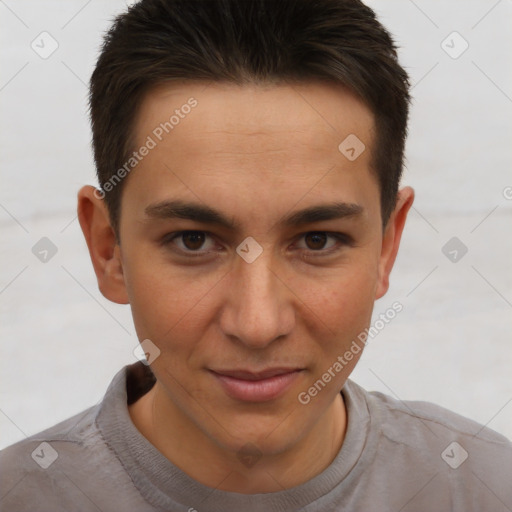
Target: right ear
[{"x": 102, "y": 243}]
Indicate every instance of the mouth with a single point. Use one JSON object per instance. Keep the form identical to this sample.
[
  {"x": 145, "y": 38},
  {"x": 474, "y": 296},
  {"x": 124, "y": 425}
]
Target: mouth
[{"x": 262, "y": 386}]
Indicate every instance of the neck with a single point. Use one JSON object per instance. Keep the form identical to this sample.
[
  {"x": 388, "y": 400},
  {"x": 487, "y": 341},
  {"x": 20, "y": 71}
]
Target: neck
[{"x": 190, "y": 449}]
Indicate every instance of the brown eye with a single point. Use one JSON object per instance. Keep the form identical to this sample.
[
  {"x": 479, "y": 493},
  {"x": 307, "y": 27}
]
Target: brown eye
[
  {"x": 315, "y": 241},
  {"x": 323, "y": 243},
  {"x": 193, "y": 240},
  {"x": 190, "y": 243}
]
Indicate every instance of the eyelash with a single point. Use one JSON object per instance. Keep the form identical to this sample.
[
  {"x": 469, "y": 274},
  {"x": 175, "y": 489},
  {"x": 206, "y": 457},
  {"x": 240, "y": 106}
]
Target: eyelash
[{"x": 343, "y": 239}]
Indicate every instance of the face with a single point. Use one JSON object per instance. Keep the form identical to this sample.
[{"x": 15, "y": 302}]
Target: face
[{"x": 251, "y": 252}]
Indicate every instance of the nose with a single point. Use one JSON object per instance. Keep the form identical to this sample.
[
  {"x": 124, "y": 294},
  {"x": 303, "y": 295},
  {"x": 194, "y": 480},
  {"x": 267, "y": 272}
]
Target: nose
[{"x": 259, "y": 306}]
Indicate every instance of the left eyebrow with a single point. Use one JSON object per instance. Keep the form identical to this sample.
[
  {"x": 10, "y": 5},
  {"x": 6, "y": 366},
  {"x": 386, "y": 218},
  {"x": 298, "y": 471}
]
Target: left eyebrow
[
  {"x": 323, "y": 212},
  {"x": 201, "y": 213}
]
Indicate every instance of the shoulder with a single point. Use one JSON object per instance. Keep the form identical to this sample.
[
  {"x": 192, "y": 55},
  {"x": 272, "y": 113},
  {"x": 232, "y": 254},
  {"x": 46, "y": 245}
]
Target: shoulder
[
  {"x": 425, "y": 420},
  {"x": 71, "y": 465},
  {"x": 75, "y": 430},
  {"x": 32, "y": 469},
  {"x": 418, "y": 443}
]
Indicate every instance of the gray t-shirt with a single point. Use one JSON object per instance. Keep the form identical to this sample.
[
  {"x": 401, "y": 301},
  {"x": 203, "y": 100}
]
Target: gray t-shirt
[{"x": 396, "y": 456}]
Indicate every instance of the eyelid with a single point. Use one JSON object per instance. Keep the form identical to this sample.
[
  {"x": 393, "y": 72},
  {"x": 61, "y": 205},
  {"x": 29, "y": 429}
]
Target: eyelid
[
  {"x": 170, "y": 237},
  {"x": 342, "y": 239}
]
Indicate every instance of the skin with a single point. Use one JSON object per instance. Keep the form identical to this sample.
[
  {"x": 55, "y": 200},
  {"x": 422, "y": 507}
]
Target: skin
[{"x": 256, "y": 154}]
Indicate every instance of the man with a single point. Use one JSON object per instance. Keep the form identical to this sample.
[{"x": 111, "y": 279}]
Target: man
[{"x": 249, "y": 155}]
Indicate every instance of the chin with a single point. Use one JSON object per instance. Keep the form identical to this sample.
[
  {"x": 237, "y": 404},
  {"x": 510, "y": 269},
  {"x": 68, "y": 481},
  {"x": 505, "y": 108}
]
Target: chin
[{"x": 268, "y": 435}]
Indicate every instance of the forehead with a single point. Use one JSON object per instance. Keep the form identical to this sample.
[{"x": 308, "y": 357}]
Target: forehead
[
  {"x": 253, "y": 140},
  {"x": 319, "y": 112}
]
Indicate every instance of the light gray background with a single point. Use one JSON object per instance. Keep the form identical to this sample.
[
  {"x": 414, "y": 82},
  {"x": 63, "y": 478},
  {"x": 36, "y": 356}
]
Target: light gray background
[{"x": 62, "y": 342}]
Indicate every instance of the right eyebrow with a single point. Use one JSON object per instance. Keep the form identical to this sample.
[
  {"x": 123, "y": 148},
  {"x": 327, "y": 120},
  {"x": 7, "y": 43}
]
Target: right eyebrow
[{"x": 190, "y": 211}]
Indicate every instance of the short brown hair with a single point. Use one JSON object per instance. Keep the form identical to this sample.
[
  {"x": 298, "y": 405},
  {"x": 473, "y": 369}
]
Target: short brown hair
[{"x": 247, "y": 41}]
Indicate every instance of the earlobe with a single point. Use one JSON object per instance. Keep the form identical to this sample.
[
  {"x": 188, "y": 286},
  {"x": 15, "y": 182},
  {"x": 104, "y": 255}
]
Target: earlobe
[
  {"x": 391, "y": 239},
  {"x": 103, "y": 247}
]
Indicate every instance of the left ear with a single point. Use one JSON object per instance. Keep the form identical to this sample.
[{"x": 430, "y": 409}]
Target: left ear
[{"x": 391, "y": 239}]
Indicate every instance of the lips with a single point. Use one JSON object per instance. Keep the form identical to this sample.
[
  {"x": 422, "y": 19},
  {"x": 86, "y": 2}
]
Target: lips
[
  {"x": 248, "y": 375},
  {"x": 255, "y": 386}
]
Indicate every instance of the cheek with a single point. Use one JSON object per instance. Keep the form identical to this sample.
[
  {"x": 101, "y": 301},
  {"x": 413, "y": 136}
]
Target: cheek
[
  {"x": 353, "y": 301},
  {"x": 344, "y": 304},
  {"x": 166, "y": 300},
  {"x": 345, "y": 294},
  {"x": 172, "y": 312}
]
